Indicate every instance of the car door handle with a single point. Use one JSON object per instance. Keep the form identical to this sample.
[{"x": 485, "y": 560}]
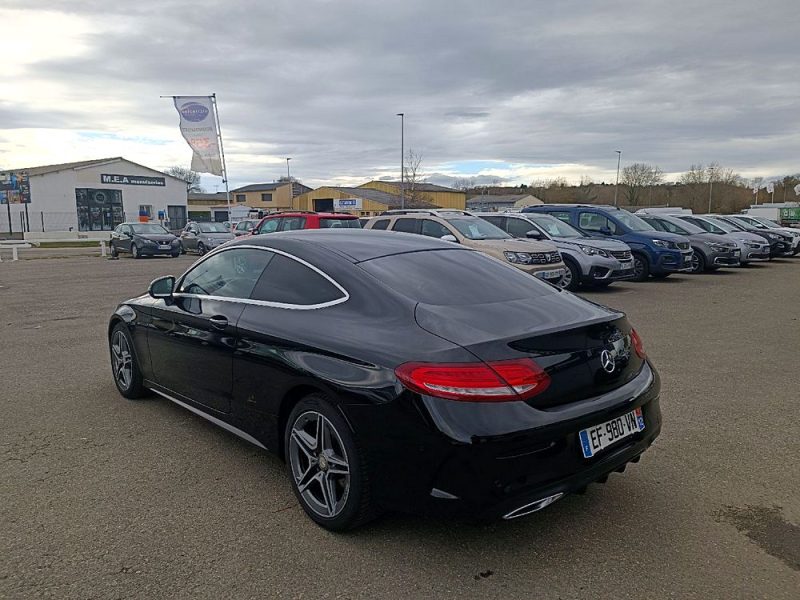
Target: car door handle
[{"x": 219, "y": 321}]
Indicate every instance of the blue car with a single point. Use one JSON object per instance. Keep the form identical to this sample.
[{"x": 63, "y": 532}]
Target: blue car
[{"x": 655, "y": 253}]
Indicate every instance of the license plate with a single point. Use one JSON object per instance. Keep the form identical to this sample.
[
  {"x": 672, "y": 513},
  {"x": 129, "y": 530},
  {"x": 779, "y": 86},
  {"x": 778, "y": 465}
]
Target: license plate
[
  {"x": 687, "y": 259},
  {"x": 597, "y": 438},
  {"x": 163, "y": 247},
  {"x": 737, "y": 252},
  {"x": 550, "y": 274},
  {"x": 626, "y": 264}
]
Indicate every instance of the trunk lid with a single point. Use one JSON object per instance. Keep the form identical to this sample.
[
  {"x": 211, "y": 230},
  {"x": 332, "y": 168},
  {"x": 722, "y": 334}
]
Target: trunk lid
[{"x": 585, "y": 348}]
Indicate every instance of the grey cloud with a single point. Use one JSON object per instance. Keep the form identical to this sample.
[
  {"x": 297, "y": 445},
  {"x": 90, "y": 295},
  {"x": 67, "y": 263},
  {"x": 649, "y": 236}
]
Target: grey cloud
[{"x": 520, "y": 81}]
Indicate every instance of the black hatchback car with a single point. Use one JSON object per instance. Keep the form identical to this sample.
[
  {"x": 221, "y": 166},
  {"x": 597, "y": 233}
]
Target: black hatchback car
[
  {"x": 395, "y": 372},
  {"x": 144, "y": 239}
]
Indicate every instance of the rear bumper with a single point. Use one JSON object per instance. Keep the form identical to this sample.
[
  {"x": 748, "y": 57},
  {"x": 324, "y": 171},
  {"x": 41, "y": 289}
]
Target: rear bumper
[{"x": 444, "y": 470}]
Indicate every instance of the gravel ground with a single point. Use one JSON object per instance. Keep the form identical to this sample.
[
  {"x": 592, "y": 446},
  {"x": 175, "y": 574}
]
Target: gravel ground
[{"x": 106, "y": 498}]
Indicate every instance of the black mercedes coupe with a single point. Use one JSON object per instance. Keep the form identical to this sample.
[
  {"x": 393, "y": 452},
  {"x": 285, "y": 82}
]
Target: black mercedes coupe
[{"x": 395, "y": 372}]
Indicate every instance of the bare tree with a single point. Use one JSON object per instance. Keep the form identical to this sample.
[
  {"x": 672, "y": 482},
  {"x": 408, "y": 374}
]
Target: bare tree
[
  {"x": 464, "y": 183},
  {"x": 412, "y": 175},
  {"x": 712, "y": 173},
  {"x": 637, "y": 177},
  {"x": 192, "y": 178},
  {"x": 586, "y": 191}
]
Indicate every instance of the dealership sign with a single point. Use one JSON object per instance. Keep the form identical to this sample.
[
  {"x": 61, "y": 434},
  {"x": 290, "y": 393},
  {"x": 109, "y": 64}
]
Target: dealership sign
[
  {"x": 132, "y": 180},
  {"x": 347, "y": 204}
]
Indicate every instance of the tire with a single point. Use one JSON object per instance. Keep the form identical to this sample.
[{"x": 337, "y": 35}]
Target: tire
[
  {"x": 182, "y": 249},
  {"x": 124, "y": 366},
  {"x": 175, "y": 254},
  {"x": 641, "y": 268},
  {"x": 336, "y": 493},
  {"x": 601, "y": 284},
  {"x": 572, "y": 276},
  {"x": 201, "y": 249},
  {"x": 135, "y": 251},
  {"x": 698, "y": 262},
  {"x": 114, "y": 252},
  {"x": 660, "y": 275}
]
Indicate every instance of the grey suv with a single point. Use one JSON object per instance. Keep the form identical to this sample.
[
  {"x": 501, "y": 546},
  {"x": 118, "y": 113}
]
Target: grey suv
[
  {"x": 589, "y": 261},
  {"x": 710, "y": 252}
]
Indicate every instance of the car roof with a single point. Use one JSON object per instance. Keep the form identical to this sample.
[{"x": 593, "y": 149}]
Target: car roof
[
  {"x": 323, "y": 215},
  {"x": 355, "y": 245}
]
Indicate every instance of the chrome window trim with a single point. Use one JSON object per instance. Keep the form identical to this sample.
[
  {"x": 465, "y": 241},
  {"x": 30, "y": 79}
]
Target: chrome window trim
[{"x": 345, "y": 294}]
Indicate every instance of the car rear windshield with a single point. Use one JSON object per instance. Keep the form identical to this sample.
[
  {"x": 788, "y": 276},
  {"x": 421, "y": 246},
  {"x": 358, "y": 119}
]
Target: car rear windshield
[
  {"x": 213, "y": 227},
  {"x": 454, "y": 277},
  {"x": 148, "y": 228},
  {"x": 325, "y": 223}
]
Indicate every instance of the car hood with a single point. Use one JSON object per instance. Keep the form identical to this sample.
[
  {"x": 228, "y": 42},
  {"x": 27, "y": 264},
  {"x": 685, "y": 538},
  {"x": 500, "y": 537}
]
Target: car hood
[
  {"x": 708, "y": 238},
  {"x": 218, "y": 236},
  {"x": 159, "y": 238},
  {"x": 512, "y": 244},
  {"x": 746, "y": 236},
  {"x": 663, "y": 235},
  {"x": 601, "y": 243}
]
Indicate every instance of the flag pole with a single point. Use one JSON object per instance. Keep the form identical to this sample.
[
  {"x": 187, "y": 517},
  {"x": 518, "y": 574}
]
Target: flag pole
[{"x": 222, "y": 155}]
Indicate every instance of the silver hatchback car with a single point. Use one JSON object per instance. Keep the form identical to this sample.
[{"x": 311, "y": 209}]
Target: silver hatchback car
[
  {"x": 589, "y": 261},
  {"x": 202, "y": 237}
]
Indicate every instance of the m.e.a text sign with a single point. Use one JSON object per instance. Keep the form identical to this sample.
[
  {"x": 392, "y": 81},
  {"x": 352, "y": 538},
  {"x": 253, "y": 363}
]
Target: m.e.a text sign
[{"x": 132, "y": 180}]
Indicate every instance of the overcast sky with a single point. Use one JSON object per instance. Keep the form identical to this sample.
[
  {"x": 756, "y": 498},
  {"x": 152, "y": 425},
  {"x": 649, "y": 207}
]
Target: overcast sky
[{"x": 513, "y": 90}]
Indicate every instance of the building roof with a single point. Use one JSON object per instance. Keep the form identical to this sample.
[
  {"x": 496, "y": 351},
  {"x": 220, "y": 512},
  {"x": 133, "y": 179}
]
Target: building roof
[
  {"x": 490, "y": 199},
  {"x": 83, "y": 164},
  {"x": 207, "y": 196},
  {"x": 419, "y": 186},
  {"x": 261, "y": 187}
]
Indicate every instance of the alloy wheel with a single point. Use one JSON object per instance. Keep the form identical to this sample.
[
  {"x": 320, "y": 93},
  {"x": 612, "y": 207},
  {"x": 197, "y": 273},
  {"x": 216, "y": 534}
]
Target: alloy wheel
[
  {"x": 566, "y": 279},
  {"x": 122, "y": 359},
  {"x": 695, "y": 263},
  {"x": 319, "y": 464},
  {"x": 201, "y": 249},
  {"x": 638, "y": 267},
  {"x": 134, "y": 251}
]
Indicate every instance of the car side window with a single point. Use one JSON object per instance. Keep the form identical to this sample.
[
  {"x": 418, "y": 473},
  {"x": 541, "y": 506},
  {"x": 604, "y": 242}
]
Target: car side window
[
  {"x": 496, "y": 221},
  {"x": 406, "y": 225},
  {"x": 702, "y": 224},
  {"x": 593, "y": 222},
  {"x": 241, "y": 226},
  {"x": 288, "y": 281},
  {"x": 231, "y": 273},
  {"x": 671, "y": 228},
  {"x": 126, "y": 229},
  {"x": 380, "y": 224},
  {"x": 293, "y": 223},
  {"x": 269, "y": 226},
  {"x": 656, "y": 224},
  {"x": 519, "y": 227},
  {"x": 561, "y": 215},
  {"x": 433, "y": 229}
]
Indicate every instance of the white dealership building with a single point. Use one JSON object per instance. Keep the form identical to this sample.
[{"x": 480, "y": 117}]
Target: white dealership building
[{"x": 91, "y": 196}]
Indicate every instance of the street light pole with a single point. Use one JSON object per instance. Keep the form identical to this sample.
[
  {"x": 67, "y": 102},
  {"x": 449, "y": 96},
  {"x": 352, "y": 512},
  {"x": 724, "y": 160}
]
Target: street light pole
[
  {"x": 402, "y": 159},
  {"x": 710, "y": 187},
  {"x": 288, "y": 177},
  {"x": 616, "y": 187}
]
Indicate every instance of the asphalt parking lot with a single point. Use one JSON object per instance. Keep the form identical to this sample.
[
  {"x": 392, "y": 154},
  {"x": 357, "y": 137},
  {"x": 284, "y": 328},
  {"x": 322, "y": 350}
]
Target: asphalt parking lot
[{"x": 101, "y": 497}]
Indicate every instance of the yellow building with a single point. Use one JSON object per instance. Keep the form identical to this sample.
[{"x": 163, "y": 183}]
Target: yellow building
[
  {"x": 268, "y": 197},
  {"x": 361, "y": 201},
  {"x": 440, "y": 196}
]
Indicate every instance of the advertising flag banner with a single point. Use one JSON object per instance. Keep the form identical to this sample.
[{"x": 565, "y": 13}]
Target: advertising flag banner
[
  {"x": 797, "y": 190},
  {"x": 199, "y": 129},
  {"x": 770, "y": 187}
]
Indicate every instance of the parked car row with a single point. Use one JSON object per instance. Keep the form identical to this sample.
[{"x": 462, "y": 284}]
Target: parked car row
[{"x": 423, "y": 370}]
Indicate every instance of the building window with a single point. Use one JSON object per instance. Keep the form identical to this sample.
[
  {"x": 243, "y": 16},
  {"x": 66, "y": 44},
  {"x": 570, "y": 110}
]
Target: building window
[
  {"x": 98, "y": 210},
  {"x": 240, "y": 197},
  {"x": 266, "y": 197}
]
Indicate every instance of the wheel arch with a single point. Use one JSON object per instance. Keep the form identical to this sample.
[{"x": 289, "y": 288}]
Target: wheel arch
[{"x": 289, "y": 401}]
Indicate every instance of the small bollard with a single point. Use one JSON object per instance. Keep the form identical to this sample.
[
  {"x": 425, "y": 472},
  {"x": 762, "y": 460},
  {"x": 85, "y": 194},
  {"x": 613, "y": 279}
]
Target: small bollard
[
  {"x": 14, "y": 255},
  {"x": 102, "y": 248}
]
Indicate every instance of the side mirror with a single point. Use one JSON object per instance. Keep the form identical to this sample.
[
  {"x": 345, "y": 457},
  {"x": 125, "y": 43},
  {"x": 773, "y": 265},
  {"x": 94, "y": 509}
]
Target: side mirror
[
  {"x": 449, "y": 238},
  {"x": 534, "y": 234},
  {"x": 162, "y": 287},
  {"x": 605, "y": 231}
]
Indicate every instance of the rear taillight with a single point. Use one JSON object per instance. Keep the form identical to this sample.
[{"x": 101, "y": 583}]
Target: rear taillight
[
  {"x": 497, "y": 381},
  {"x": 638, "y": 347}
]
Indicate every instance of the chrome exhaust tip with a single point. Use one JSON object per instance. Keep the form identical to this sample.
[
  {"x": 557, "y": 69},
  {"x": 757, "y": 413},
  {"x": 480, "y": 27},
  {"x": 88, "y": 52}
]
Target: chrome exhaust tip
[{"x": 532, "y": 507}]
